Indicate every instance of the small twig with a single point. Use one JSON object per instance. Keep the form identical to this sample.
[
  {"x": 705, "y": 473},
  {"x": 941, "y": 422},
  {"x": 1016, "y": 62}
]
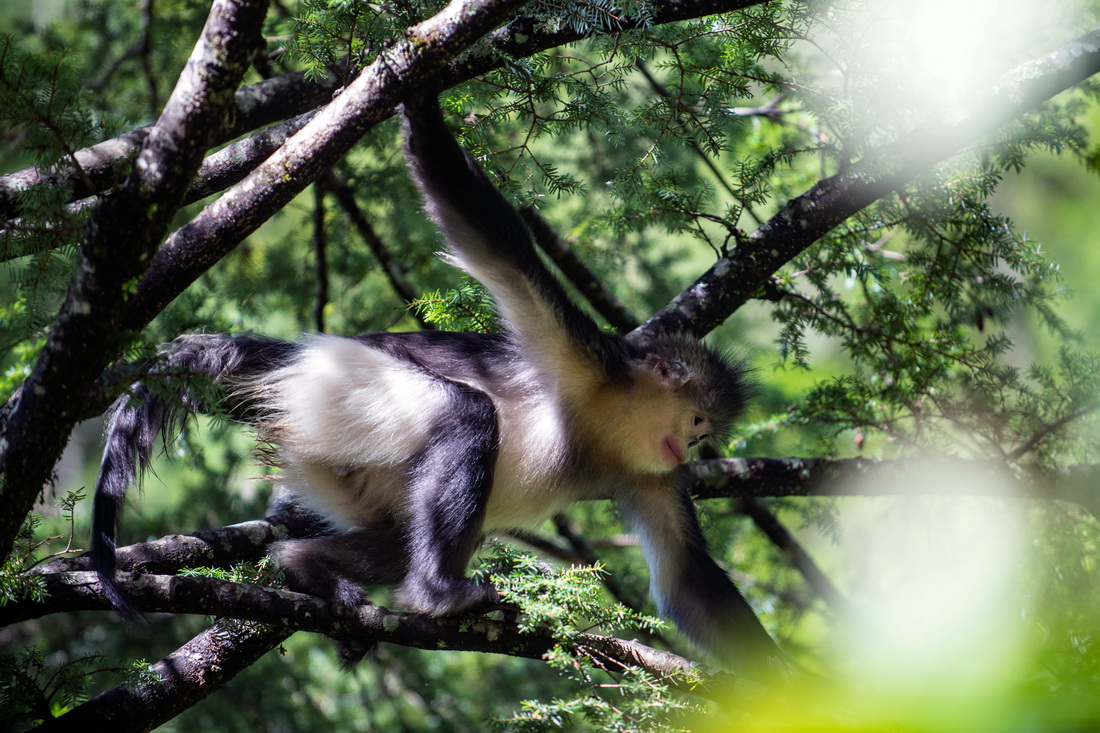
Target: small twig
[
  {"x": 678, "y": 107},
  {"x": 792, "y": 549},
  {"x": 392, "y": 269},
  {"x": 584, "y": 280},
  {"x": 1044, "y": 432}
]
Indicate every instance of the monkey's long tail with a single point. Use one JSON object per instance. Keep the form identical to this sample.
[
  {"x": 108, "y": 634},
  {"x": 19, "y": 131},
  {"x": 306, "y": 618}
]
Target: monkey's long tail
[
  {"x": 135, "y": 421},
  {"x": 138, "y": 417}
]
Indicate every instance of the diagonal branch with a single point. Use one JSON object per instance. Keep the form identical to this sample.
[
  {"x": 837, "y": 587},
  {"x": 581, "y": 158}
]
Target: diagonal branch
[
  {"x": 602, "y": 300},
  {"x": 122, "y": 236},
  {"x": 221, "y": 547},
  {"x": 766, "y": 521},
  {"x": 370, "y": 98},
  {"x": 392, "y": 269},
  {"x": 188, "y": 675},
  {"x": 738, "y": 276}
]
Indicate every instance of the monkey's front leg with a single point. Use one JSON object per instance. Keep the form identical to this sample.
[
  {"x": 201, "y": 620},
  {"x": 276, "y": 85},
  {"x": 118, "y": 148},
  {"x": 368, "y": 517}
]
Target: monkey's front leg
[
  {"x": 449, "y": 489},
  {"x": 689, "y": 586}
]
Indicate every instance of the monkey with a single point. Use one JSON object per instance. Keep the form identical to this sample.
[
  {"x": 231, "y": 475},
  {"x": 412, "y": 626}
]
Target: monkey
[{"x": 415, "y": 446}]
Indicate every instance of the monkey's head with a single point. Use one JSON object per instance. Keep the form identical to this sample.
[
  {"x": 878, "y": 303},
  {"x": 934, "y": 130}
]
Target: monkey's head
[{"x": 683, "y": 402}]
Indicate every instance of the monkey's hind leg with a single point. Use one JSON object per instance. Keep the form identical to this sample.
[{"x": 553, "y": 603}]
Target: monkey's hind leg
[
  {"x": 335, "y": 567},
  {"x": 448, "y": 492}
]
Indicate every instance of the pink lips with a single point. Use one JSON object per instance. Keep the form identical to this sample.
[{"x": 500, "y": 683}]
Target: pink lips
[{"x": 671, "y": 450}]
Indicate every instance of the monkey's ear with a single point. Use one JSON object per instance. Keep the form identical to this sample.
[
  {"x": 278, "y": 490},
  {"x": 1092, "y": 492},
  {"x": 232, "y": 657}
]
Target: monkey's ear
[{"x": 672, "y": 372}]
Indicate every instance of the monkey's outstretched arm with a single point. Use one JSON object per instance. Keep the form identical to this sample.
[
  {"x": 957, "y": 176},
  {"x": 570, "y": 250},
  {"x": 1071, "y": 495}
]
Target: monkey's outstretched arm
[
  {"x": 692, "y": 589},
  {"x": 489, "y": 240}
]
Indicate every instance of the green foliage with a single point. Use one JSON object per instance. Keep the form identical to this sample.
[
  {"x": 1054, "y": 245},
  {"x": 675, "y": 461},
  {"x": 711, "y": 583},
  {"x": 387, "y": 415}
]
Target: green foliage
[
  {"x": 262, "y": 572},
  {"x": 607, "y": 696},
  {"x": 141, "y": 672},
  {"x": 918, "y": 291},
  {"x": 560, "y": 602},
  {"x": 16, "y": 583},
  {"x": 45, "y": 99},
  {"x": 33, "y": 690},
  {"x": 327, "y": 31},
  {"x": 466, "y": 309},
  {"x": 44, "y": 102}
]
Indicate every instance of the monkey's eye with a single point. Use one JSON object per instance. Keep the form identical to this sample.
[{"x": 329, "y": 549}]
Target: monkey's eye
[{"x": 698, "y": 421}]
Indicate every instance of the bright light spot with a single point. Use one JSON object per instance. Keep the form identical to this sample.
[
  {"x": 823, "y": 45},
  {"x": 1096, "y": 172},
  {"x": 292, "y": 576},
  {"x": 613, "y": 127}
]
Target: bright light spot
[
  {"x": 937, "y": 596},
  {"x": 935, "y": 52}
]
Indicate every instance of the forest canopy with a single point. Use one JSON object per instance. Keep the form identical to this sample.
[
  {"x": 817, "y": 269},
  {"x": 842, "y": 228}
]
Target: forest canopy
[{"x": 886, "y": 209}]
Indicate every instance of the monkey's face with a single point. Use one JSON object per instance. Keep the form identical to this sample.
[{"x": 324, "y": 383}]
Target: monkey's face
[
  {"x": 661, "y": 423},
  {"x": 691, "y": 430}
]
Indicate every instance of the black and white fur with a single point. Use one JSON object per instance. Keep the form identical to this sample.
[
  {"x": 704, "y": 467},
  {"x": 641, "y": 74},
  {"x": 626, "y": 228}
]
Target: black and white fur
[{"x": 415, "y": 445}]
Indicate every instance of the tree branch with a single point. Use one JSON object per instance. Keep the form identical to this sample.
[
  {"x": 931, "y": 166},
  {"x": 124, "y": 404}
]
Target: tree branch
[
  {"x": 233, "y": 162},
  {"x": 766, "y": 521},
  {"x": 272, "y": 100},
  {"x": 221, "y": 547},
  {"x": 931, "y": 476},
  {"x": 521, "y": 38},
  {"x": 393, "y": 270},
  {"x": 802, "y": 221},
  {"x": 426, "y": 48},
  {"x": 121, "y": 239},
  {"x": 188, "y": 675},
  {"x": 79, "y": 591},
  {"x": 602, "y": 300}
]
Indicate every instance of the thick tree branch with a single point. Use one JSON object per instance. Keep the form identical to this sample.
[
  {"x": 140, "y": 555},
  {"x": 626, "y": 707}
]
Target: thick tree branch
[
  {"x": 221, "y": 547},
  {"x": 743, "y": 272},
  {"x": 933, "y": 476},
  {"x": 79, "y": 591},
  {"x": 717, "y": 479},
  {"x": 272, "y": 100},
  {"x": 233, "y": 162},
  {"x": 188, "y": 675},
  {"x": 121, "y": 239},
  {"x": 371, "y": 97}
]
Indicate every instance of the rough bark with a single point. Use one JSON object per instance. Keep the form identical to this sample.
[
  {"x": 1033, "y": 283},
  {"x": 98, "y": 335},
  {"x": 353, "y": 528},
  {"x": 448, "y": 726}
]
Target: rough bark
[
  {"x": 188, "y": 675},
  {"x": 120, "y": 242},
  {"x": 221, "y": 547},
  {"x": 105, "y": 164}
]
